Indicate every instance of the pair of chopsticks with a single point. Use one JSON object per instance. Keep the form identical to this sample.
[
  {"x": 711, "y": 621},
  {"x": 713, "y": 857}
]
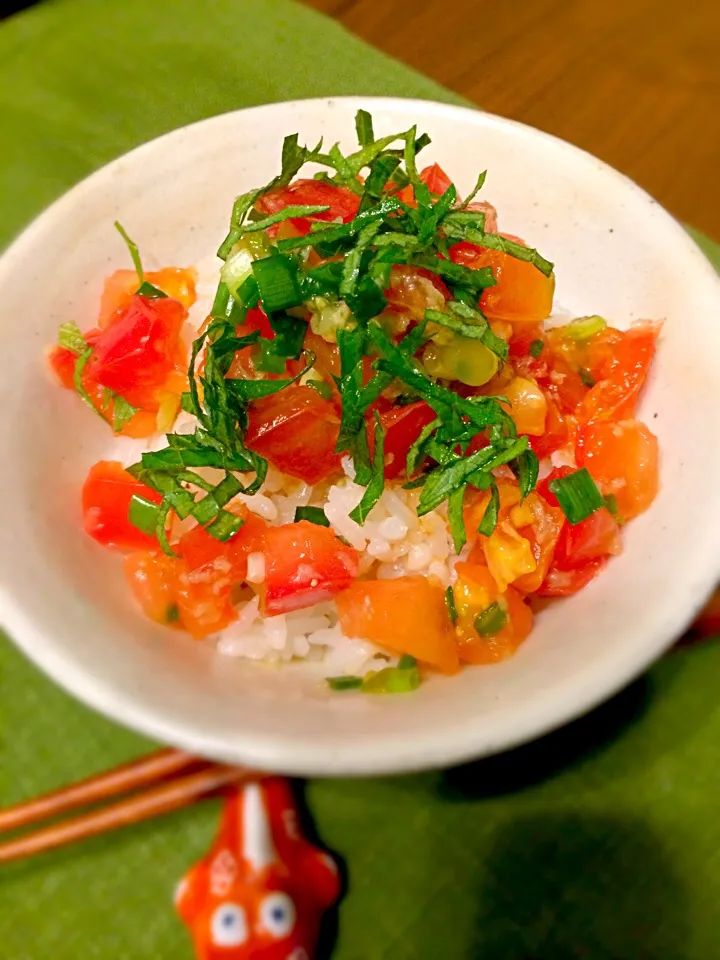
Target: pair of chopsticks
[{"x": 156, "y": 784}]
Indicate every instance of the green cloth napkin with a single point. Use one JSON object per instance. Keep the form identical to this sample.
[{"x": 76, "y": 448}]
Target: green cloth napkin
[{"x": 600, "y": 841}]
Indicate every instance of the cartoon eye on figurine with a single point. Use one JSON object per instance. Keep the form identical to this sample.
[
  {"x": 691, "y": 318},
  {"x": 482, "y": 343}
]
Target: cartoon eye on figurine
[{"x": 263, "y": 888}]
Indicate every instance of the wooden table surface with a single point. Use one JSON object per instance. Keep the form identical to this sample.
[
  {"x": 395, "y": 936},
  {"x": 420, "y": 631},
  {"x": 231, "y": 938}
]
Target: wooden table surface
[{"x": 636, "y": 82}]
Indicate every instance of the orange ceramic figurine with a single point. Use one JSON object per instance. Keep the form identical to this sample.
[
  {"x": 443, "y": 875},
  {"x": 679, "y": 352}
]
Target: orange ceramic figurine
[{"x": 262, "y": 889}]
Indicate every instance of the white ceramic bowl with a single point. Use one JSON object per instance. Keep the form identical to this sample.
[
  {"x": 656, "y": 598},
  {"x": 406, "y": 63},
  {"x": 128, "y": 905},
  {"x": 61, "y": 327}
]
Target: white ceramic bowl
[{"x": 63, "y": 599}]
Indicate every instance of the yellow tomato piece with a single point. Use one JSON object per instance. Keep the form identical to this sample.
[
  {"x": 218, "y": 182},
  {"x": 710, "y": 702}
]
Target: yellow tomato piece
[
  {"x": 508, "y": 555},
  {"x": 528, "y": 406}
]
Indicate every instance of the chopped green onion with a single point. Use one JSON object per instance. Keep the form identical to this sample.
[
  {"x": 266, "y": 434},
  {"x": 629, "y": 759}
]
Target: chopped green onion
[
  {"x": 344, "y": 683},
  {"x": 584, "y": 327},
  {"x": 577, "y": 495},
  {"x": 172, "y": 614},
  {"x": 313, "y": 515},
  {"x": 490, "y": 517},
  {"x": 536, "y": 348},
  {"x": 491, "y": 620},
  {"x": 450, "y": 602},
  {"x": 134, "y": 252},
  {"x": 392, "y": 680},
  {"x": 143, "y": 514},
  {"x": 277, "y": 282}
]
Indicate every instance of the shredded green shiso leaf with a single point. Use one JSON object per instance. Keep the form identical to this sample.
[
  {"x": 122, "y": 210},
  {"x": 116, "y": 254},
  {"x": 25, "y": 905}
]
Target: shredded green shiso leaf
[{"x": 385, "y": 232}]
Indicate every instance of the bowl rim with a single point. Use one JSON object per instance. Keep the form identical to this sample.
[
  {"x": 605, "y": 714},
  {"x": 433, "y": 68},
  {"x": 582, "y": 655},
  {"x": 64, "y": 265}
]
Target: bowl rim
[{"x": 394, "y": 755}]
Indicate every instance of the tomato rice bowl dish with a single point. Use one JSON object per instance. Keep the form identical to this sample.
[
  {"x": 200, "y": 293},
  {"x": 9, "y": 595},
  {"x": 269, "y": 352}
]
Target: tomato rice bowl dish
[{"x": 374, "y": 441}]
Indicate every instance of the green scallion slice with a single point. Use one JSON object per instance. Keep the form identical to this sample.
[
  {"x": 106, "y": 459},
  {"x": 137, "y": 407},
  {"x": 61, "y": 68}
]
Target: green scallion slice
[
  {"x": 277, "y": 282},
  {"x": 392, "y": 680},
  {"x": 491, "y": 620},
  {"x": 577, "y": 495},
  {"x": 584, "y": 327},
  {"x": 536, "y": 348},
  {"x": 344, "y": 683}
]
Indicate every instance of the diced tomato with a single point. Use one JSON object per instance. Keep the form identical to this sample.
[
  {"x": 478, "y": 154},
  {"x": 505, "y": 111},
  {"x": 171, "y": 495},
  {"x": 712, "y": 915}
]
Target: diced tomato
[
  {"x": 304, "y": 564},
  {"x": 168, "y": 593},
  {"x": 543, "y": 486},
  {"x": 204, "y": 604},
  {"x": 563, "y": 583},
  {"x": 297, "y": 431},
  {"x": 402, "y": 426},
  {"x": 474, "y": 591},
  {"x": 175, "y": 282},
  {"x": 542, "y": 534},
  {"x": 556, "y": 433},
  {"x": 434, "y": 177},
  {"x": 522, "y": 292},
  {"x": 597, "y": 536},
  {"x": 136, "y": 353},
  {"x": 62, "y": 363},
  {"x": 623, "y": 459},
  {"x": 615, "y": 396},
  {"x": 202, "y": 552},
  {"x": 407, "y": 614},
  {"x": 243, "y": 366},
  {"x": 413, "y": 290},
  {"x": 106, "y": 496},
  {"x": 152, "y": 577},
  {"x": 343, "y": 202}
]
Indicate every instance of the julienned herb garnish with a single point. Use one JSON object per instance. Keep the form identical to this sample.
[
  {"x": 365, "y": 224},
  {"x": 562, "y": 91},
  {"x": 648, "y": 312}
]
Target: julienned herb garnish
[{"x": 356, "y": 262}]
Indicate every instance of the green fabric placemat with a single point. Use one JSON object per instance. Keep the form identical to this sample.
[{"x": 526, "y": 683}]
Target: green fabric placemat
[{"x": 599, "y": 842}]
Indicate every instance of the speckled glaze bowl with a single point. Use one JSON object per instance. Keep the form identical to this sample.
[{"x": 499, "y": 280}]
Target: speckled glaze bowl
[{"x": 63, "y": 599}]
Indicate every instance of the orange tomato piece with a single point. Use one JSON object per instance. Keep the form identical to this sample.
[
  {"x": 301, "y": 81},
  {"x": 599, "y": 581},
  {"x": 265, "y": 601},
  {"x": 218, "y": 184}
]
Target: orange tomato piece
[
  {"x": 178, "y": 283},
  {"x": 625, "y": 368},
  {"x": 407, "y": 614},
  {"x": 623, "y": 459},
  {"x": 152, "y": 577},
  {"x": 521, "y": 294},
  {"x": 474, "y": 591},
  {"x": 542, "y": 534},
  {"x": 297, "y": 431}
]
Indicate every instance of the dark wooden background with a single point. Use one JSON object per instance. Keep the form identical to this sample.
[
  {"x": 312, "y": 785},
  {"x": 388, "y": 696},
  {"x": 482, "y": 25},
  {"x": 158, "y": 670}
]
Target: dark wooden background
[{"x": 636, "y": 82}]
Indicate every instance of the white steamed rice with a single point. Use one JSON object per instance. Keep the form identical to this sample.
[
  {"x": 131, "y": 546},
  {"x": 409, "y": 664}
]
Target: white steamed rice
[{"x": 393, "y": 542}]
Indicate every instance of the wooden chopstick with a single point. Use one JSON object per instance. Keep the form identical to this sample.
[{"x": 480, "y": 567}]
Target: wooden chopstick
[
  {"x": 172, "y": 794},
  {"x": 123, "y": 779}
]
